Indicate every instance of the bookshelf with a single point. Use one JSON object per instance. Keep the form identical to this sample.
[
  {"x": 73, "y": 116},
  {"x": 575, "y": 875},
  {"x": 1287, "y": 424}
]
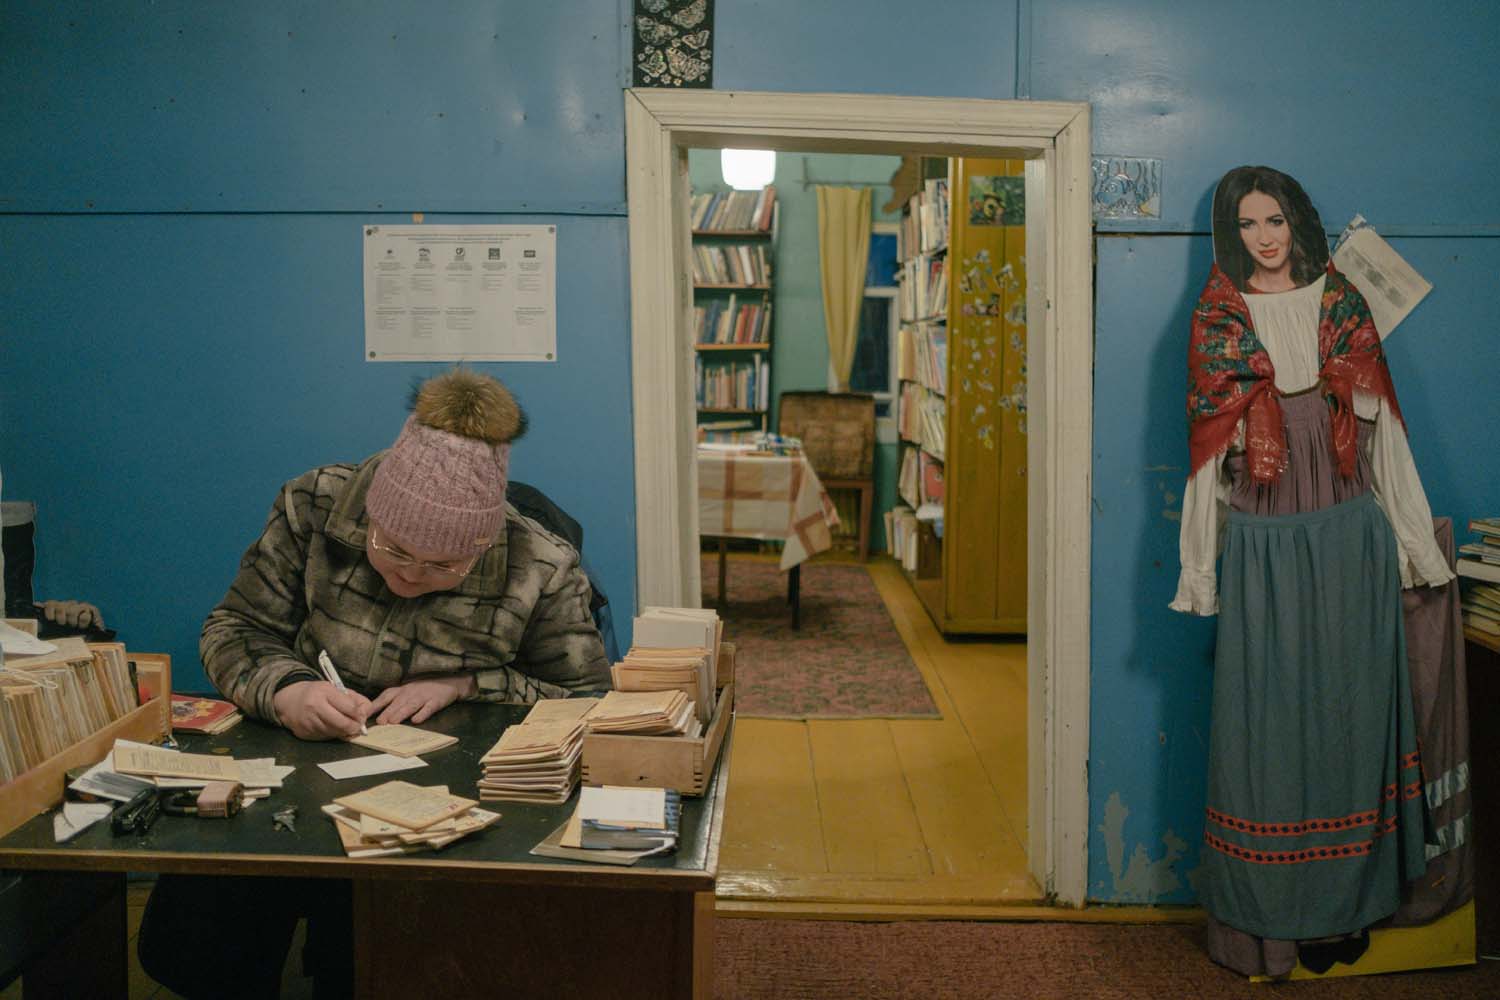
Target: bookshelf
[
  {"x": 734, "y": 240},
  {"x": 959, "y": 528}
]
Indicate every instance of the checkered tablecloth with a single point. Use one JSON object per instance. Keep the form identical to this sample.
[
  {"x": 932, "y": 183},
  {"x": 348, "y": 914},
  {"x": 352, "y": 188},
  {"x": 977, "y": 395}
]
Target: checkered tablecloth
[{"x": 775, "y": 497}]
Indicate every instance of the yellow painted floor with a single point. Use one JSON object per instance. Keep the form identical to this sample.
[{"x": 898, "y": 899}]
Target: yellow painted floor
[{"x": 888, "y": 817}]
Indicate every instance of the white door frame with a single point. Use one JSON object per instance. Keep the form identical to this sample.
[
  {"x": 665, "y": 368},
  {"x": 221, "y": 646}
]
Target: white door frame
[{"x": 1053, "y": 137}]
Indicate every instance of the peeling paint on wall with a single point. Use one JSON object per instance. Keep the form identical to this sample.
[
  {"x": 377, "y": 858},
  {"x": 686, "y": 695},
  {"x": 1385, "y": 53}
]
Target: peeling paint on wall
[
  {"x": 1169, "y": 500},
  {"x": 1144, "y": 879}
]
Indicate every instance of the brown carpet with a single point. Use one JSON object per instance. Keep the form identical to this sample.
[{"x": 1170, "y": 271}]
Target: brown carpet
[
  {"x": 846, "y": 661},
  {"x": 792, "y": 960}
]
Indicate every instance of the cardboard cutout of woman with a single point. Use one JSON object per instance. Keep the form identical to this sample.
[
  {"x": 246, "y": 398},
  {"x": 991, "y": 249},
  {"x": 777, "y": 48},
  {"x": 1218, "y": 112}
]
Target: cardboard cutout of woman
[{"x": 1302, "y": 478}]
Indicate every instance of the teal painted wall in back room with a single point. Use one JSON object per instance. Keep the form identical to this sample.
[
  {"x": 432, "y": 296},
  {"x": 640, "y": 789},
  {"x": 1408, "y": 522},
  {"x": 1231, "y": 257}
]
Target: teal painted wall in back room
[{"x": 182, "y": 186}]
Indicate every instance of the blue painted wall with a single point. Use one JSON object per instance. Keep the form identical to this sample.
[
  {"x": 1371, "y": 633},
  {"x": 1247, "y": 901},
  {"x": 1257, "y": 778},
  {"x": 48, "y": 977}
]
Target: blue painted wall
[
  {"x": 1374, "y": 112},
  {"x": 181, "y": 188}
]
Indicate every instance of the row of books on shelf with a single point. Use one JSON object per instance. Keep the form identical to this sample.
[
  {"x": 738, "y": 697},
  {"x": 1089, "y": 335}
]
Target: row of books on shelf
[
  {"x": 731, "y": 264},
  {"x": 58, "y": 696},
  {"x": 1481, "y": 607},
  {"x": 922, "y": 355},
  {"x": 741, "y": 430},
  {"x": 734, "y": 211},
  {"x": 924, "y": 224},
  {"x": 903, "y": 535},
  {"x": 1486, "y": 546},
  {"x": 740, "y": 385},
  {"x": 922, "y": 419},
  {"x": 732, "y": 322},
  {"x": 921, "y": 478},
  {"x": 1479, "y": 560},
  {"x": 922, "y": 288}
]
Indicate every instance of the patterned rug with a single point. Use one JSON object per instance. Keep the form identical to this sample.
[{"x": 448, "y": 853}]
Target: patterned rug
[{"x": 846, "y": 661}]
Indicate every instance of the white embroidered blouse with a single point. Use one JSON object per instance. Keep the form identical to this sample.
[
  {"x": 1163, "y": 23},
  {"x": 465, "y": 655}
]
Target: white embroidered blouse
[{"x": 1287, "y": 324}]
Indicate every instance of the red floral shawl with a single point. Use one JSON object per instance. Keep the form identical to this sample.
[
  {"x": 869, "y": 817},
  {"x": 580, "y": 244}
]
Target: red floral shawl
[{"x": 1230, "y": 375}]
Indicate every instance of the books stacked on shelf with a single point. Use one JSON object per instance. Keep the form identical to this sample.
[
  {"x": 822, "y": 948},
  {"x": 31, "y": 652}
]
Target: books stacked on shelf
[
  {"x": 1480, "y": 559},
  {"x": 734, "y": 211},
  {"x": 1481, "y": 607},
  {"x": 931, "y": 486},
  {"x": 901, "y": 536},
  {"x": 922, "y": 288},
  {"x": 194, "y": 713},
  {"x": 732, "y": 322},
  {"x": 537, "y": 760},
  {"x": 740, "y": 431},
  {"x": 617, "y": 825},
  {"x": 924, "y": 226},
  {"x": 397, "y": 818},
  {"x": 921, "y": 419},
  {"x": 930, "y": 355},
  {"x": 55, "y": 698},
  {"x": 739, "y": 385},
  {"x": 736, "y": 264},
  {"x": 909, "y": 480}
]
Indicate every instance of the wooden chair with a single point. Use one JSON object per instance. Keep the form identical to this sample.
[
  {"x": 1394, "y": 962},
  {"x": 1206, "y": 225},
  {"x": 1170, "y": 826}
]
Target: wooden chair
[{"x": 837, "y": 430}]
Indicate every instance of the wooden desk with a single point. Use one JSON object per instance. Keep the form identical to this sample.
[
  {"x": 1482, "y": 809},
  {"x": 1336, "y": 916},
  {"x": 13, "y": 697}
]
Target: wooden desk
[
  {"x": 479, "y": 918},
  {"x": 768, "y": 497}
]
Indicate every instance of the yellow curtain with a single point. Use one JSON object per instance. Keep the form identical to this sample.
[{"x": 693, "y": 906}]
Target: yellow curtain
[{"x": 843, "y": 249}]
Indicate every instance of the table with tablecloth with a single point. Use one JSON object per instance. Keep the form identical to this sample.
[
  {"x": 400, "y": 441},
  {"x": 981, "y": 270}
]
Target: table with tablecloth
[{"x": 769, "y": 497}]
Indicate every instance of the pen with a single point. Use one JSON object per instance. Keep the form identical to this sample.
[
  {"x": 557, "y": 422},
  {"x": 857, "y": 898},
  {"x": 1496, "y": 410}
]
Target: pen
[{"x": 326, "y": 663}]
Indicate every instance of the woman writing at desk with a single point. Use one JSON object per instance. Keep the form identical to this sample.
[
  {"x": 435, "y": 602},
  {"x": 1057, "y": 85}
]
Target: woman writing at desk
[
  {"x": 424, "y": 587},
  {"x": 414, "y": 575}
]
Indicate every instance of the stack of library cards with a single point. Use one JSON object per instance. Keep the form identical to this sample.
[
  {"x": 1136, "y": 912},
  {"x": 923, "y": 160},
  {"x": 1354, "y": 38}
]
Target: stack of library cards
[
  {"x": 53, "y": 699},
  {"x": 401, "y": 818},
  {"x": 645, "y": 713},
  {"x": 538, "y": 759},
  {"x": 674, "y": 648}
]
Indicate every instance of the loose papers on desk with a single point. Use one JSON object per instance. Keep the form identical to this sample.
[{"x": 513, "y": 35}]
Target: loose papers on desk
[{"x": 174, "y": 769}]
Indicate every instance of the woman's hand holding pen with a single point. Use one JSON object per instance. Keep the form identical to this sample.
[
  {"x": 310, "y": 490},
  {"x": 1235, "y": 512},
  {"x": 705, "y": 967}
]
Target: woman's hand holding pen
[{"x": 316, "y": 710}]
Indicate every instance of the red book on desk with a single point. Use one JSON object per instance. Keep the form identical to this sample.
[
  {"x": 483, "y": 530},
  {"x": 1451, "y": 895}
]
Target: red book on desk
[{"x": 197, "y": 714}]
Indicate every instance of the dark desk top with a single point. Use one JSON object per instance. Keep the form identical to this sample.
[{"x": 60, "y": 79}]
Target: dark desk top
[{"x": 248, "y": 844}]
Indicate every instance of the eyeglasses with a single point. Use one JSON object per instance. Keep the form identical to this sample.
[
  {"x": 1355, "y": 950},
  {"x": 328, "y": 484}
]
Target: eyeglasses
[{"x": 451, "y": 570}]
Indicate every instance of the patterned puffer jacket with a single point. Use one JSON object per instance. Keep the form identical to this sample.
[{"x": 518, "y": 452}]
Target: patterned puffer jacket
[{"x": 519, "y": 621}]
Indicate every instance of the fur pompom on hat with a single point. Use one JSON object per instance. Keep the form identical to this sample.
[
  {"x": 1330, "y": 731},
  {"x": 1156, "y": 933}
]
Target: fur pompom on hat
[{"x": 440, "y": 489}]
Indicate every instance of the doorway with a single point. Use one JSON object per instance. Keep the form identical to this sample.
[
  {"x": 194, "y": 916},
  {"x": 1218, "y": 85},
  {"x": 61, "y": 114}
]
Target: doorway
[{"x": 1053, "y": 139}]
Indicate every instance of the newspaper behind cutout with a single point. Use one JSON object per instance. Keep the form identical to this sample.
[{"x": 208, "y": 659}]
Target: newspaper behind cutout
[{"x": 1389, "y": 284}]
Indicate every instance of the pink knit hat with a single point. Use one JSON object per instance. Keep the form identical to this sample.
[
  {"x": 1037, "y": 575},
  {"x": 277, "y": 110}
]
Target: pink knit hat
[{"x": 441, "y": 486}]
